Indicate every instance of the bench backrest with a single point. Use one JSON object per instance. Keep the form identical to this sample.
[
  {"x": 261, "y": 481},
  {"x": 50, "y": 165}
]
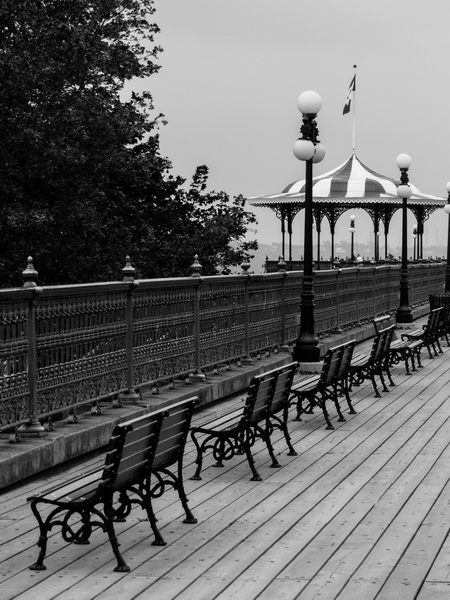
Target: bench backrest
[
  {"x": 173, "y": 433},
  {"x": 259, "y": 397},
  {"x": 434, "y": 318},
  {"x": 347, "y": 354},
  {"x": 385, "y": 344},
  {"x": 384, "y": 322},
  {"x": 378, "y": 345},
  {"x": 331, "y": 363},
  {"x": 284, "y": 377},
  {"x": 131, "y": 449},
  {"x": 155, "y": 440}
]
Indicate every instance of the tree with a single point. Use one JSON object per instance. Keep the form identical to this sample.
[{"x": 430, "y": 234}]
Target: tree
[{"x": 82, "y": 182}]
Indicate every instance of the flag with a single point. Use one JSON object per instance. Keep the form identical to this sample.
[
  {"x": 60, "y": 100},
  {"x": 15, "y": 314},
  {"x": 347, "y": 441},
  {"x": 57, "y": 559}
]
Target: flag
[{"x": 351, "y": 89}]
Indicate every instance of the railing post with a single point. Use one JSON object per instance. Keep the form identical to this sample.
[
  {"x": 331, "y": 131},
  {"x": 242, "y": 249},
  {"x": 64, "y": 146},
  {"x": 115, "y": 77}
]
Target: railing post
[
  {"x": 282, "y": 269},
  {"x": 338, "y": 328},
  {"x": 374, "y": 296},
  {"x": 196, "y": 268},
  {"x": 33, "y": 427},
  {"x": 247, "y": 359},
  {"x": 130, "y": 396},
  {"x": 358, "y": 322}
]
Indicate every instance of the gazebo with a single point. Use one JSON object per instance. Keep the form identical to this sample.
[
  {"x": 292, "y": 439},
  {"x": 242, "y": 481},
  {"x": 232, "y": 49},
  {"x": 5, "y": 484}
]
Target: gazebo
[{"x": 351, "y": 185}]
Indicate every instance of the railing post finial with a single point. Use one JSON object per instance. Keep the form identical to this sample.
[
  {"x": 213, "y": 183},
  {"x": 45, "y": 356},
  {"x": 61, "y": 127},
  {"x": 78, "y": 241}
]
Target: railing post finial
[
  {"x": 128, "y": 271},
  {"x": 30, "y": 274},
  {"x": 282, "y": 266},
  {"x": 196, "y": 267}
]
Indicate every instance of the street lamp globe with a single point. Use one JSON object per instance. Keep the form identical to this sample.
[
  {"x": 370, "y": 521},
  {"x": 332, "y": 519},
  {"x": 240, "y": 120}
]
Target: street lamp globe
[
  {"x": 309, "y": 103},
  {"x": 303, "y": 149},
  {"x": 319, "y": 153},
  {"x": 403, "y": 161},
  {"x": 404, "y": 191}
]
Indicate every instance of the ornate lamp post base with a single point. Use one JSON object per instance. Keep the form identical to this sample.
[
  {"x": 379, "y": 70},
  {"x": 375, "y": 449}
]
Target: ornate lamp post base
[
  {"x": 306, "y": 351},
  {"x": 306, "y": 348},
  {"x": 404, "y": 315}
]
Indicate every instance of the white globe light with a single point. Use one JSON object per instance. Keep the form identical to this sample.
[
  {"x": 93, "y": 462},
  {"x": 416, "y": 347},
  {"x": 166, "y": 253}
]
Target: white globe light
[
  {"x": 403, "y": 161},
  {"x": 303, "y": 149},
  {"x": 309, "y": 103},
  {"x": 404, "y": 191},
  {"x": 447, "y": 208},
  {"x": 319, "y": 153}
]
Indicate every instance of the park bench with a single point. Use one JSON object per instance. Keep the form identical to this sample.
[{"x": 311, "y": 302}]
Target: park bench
[
  {"x": 407, "y": 351},
  {"x": 366, "y": 366},
  {"x": 138, "y": 449},
  {"x": 429, "y": 334},
  {"x": 317, "y": 389},
  {"x": 235, "y": 432},
  {"x": 341, "y": 384},
  {"x": 442, "y": 300}
]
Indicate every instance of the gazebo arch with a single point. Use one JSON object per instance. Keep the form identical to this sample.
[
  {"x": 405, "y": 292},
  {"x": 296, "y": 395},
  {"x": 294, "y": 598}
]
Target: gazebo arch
[{"x": 351, "y": 185}]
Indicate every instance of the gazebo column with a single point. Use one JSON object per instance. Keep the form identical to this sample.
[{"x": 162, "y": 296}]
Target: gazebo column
[
  {"x": 332, "y": 242},
  {"x": 420, "y": 239},
  {"x": 317, "y": 218},
  {"x": 283, "y": 233},
  {"x": 289, "y": 225},
  {"x": 376, "y": 235}
]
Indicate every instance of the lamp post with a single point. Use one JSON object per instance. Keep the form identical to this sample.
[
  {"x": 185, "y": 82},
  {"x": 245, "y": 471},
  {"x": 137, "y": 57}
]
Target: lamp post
[
  {"x": 447, "y": 268},
  {"x": 404, "y": 313},
  {"x": 352, "y": 230},
  {"x": 309, "y": 149}
]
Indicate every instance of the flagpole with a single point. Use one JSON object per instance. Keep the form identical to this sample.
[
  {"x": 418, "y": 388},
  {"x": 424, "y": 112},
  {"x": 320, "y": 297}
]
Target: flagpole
[{"x": 354, "y": 116}]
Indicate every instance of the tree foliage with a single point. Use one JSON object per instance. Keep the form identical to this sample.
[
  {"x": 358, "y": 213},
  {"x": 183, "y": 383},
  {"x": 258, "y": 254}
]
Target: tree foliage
[{"x": 82, "y": 182}]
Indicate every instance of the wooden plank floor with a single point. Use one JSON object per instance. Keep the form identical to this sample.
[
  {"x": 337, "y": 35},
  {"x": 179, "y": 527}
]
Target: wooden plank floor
[{"x": 362, "y": 512}]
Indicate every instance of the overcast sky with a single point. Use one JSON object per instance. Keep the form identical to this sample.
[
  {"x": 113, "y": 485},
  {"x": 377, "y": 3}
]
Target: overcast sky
[{"x": 232, "y": 70}]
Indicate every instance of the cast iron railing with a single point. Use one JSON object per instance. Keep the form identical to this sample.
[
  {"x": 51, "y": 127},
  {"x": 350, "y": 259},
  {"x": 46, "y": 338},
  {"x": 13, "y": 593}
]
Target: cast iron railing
[{"x": 66, "y": 346}]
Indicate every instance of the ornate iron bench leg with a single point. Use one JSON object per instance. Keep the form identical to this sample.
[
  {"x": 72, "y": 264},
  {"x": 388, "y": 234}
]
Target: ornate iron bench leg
[
  {"x": 122, "y": 566},
  {"x": 251, "y": 461},
  {"x": 198, "y": 460},
  {"x": 43, "y": 536},
  {"x": 189, "y": 519},
  {"x": 346, "y": 393},
  {"x": 284, "y": 428}
]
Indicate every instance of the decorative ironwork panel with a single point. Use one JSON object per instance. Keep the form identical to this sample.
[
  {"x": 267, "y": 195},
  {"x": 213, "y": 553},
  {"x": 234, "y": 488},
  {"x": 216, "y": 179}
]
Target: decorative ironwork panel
[
  {"x": 80, "y": 348},
  {"x": 381, "y": 291},
  {"x": 348, "y": 313},
  {"x": 364, "y": 292},
  {"x": 292, "y": 292},
  {"x": 222, "y": 320},
  {"x": 325, "y": 299},
  {"x": 14, "y": 391},
  {"x": 163, "y": 331},
  {"x": 265, "y": 312}
]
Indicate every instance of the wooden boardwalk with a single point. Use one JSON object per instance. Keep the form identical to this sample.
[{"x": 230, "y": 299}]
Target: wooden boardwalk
[{"x": 362, "y": 512}]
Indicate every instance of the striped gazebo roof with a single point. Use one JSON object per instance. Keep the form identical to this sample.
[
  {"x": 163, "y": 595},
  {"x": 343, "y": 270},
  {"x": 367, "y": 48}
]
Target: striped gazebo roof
[{"x": 352, "y": 184}]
